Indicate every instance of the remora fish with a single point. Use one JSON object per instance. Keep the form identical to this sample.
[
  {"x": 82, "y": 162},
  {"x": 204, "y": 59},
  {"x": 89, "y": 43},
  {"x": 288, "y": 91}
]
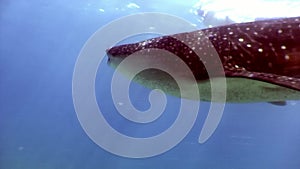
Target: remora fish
[{"x": 261, "y": 59}]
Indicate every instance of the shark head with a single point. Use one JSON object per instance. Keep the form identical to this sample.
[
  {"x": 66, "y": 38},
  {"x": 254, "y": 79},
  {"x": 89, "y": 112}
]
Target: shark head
[{"x": 193, "y": 48}]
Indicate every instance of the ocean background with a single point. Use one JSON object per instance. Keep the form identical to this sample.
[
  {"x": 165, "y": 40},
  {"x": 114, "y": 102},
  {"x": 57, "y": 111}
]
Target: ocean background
[{"x": 39, "y": 44}]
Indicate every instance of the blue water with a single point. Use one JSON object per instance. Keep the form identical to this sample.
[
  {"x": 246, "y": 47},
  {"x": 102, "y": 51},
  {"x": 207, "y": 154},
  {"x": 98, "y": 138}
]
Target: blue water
[{"x": 39, "y": 45}]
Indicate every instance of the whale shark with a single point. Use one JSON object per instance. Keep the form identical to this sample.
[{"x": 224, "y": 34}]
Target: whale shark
[{"x": 260, "y": 60}]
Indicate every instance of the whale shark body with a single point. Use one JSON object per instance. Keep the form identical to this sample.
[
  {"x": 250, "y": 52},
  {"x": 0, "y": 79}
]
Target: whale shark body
[{"x": 260, "y": 60}]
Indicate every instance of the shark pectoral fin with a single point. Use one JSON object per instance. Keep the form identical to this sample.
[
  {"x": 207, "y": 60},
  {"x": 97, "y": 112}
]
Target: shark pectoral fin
[
  {"x": 279, "y": 103},
  {"x": 285, "y": 81}
]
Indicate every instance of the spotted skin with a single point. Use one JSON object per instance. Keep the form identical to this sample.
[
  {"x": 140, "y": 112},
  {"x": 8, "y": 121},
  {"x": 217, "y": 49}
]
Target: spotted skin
[{"x": 267, "y": 50}]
